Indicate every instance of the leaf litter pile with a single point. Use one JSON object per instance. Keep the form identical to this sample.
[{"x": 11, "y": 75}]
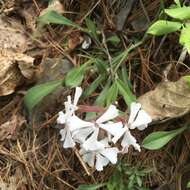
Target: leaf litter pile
[{"x": 103, "y": 47}]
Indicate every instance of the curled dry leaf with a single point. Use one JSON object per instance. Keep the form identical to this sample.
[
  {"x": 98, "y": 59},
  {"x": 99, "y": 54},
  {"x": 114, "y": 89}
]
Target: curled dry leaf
[
  {"x": 169, "y": 100},
  {"x": 8, "y": 128},
  {"x": 15, "y": 67}
]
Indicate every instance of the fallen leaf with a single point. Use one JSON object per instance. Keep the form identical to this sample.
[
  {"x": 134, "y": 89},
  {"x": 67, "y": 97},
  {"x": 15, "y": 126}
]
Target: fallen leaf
[
  {"x": 8, "y": 128},
  {"x": 52, "y": 69},
  {"x": 15, "y": 67},
  {"x": 169, "y": 100},
  {"x": 74, "y": 39},
  {"x": 55, "y": 5},
  {"x": 16, "y": 181},
  {"x": 12, "y": 36}
]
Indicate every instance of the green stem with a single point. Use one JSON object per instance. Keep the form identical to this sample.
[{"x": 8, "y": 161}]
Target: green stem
[{"x": 131, "y": 48}]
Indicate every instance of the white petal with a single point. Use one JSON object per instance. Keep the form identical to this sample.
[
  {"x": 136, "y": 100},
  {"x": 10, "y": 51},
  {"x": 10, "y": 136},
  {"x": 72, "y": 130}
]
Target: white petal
[
  {"x": 142, "y": 120},
  {"x": 61, "y": 118},
  {"x": 101, "y": 162},
  {"x": 78, "y": 93},
  {"x": 115, "y": 129},
  {"x": 128, "y": 140},
  {"x": 69, "y": 110},
  {"x": 142, "y": 127},
  {"x": 75, "y": 122},
  {"x": 111, "y": 154},
  {"x": 69, "y": 99},
  {"x": 63, "y": 134},
  {"x": 69, "y": 142},
  {"x": 134, "y": 109},
  {"x": 111, "y": 113},
  {"x": 80, "y": 135},
  {"x": 91, "y": 144},
  {"x": 89, "y": 158},
  {"x": 105, "y": 142}
]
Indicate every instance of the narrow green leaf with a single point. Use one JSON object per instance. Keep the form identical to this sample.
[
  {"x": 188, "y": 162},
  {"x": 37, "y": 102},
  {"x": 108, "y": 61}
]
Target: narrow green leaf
[
  {"x": 92, "y": 87},
  {"x": 101, "y": 99},
  {"x": 181, "y": 13},
  {"x": 91, "y": 187},
  {"x": 125, "y": 92},
  {"x": 113, "y": 93},
  {"x": 188, "y": 184},
  {"x": 139, "y": 181},
  {"x": 52, "y": 17},
  {"x": 187, "y": 79},
  {"x": 113, "y": 39},
  {"x": 91, "y": 28},
  {"x": 75, "y": 76},
  {"x": 101, "y": 65},
  {"x": 157, "y": 140},
  {"x": 37, "y": 93},
  {"x": 162, "y": 27},
  {"x": 185, "y": 37},
  {"x": 177, "y": 2}
]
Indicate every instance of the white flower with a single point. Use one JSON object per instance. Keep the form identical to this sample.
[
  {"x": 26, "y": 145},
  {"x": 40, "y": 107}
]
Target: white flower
[
  {"x": 98, "y": 153},
  {"x": 114, "y": 129},
  {"x": 138, "y": 118},
  {"x": 70, "y": 107},
  {"x": 84, "y": 129},
  {"x": 67, "y": 117},
  {"x": 128, "y": 140},
  {"x": 72, "y": 125}
]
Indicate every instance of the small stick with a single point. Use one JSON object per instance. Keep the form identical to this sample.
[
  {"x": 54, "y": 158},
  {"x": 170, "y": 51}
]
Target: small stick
[{"x": 84, "y": 165}]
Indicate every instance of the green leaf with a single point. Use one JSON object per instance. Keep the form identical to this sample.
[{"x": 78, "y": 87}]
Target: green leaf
[
  {"x": 177, "y": 2},
  {"x": 91, "y": 28},
  {"x": 75, "y": 76},
  {"x": 91, "y": 187},
  {"x": 181, "y": 13},
  {"x": 157, "y": 140},
  {"x": 101, "y": 99},
  {"x": 162, "y": 27},
  {"x": 139, "y": 181},
  {"x": 52, "y": 17},
  {"x": 187, "y": 79},
  {"x": 112, "y": 94},
  {"x": 185, "y": 37},
  {"x": 113, "y": 39},
  {"x": 125, "y": 92},
  {"x": 37, "y": 93},
  {"x": 101, "y": 65},
  {"x": 92, "y": 87},
  {"x": 188, "y": 185}
]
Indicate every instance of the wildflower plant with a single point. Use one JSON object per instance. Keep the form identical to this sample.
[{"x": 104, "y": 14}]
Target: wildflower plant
[{"x": 101, "y": 140}]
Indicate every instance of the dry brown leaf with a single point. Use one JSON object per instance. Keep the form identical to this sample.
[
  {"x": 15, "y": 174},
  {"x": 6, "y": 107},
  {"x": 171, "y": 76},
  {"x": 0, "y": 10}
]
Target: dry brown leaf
[
  {"x": 12, "y": 36},
  {"x": 8, "y": 128},
  {"x": 74, "y": 39},
  {"x": 15, "y": 67},
  {"x": 15, "y": 182},
  {"x": 55, "y": 5},
  {"x": 169, "y": 100}
]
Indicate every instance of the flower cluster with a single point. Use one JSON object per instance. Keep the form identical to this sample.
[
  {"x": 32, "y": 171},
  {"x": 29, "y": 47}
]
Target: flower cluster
[{"x": 98, "y": 139}]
